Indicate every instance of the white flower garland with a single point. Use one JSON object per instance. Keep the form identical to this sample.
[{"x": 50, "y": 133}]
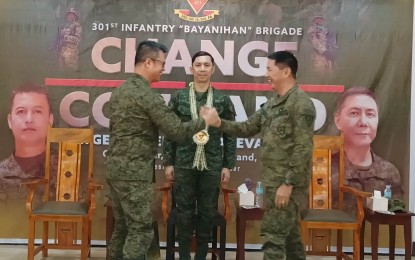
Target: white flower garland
[{"x": 202, "y": 137}]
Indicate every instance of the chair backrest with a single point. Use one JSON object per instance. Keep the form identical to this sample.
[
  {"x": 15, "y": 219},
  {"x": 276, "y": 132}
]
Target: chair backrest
[
  {"x": 327, "y": 183},
  {"x": 322, "y": 184},
  {"x": 70, "y": 143},
  {"x": 321, "y": 190}
]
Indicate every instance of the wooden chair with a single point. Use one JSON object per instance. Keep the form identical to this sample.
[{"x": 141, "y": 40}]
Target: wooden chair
[
  {"x": 71, "y": 206},
  {"x": 322, "y": 214},
  {"x": 218, "y": 221}
]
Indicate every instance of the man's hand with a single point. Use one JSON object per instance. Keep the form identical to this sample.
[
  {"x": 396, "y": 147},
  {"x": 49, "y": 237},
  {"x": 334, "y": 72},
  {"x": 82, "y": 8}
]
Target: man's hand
[
  {"x": 210, "y": 115},
  {"x": 225, "y": 175},
  {"x": 282, "y": 196},
  {"x": 169, "y": 172},
  {"x": 217, "y": 123},
  {"x": 203, "y": 111}
]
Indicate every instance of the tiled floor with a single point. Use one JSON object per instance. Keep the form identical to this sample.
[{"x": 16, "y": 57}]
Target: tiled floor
[{"x": 9, "y": 252}]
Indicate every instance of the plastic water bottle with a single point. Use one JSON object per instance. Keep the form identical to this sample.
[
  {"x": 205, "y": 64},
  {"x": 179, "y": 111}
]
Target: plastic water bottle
[
  {"x": 259, "y": 195},
  {"x": 388, "y": 192}
]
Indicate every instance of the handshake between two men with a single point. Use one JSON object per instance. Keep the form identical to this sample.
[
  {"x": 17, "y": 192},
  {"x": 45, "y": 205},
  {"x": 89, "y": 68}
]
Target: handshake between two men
[{"x": 210, "y": 115}]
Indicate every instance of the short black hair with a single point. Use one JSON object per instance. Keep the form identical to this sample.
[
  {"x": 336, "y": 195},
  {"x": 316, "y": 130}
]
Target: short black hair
[
  {"x": 354, "y": 91},
  {"x": 286, "y": 59},
  {"x": 30, "y": 88},
  {"x": 148, "y": 49},
  {"x": 203, "y": 53}
]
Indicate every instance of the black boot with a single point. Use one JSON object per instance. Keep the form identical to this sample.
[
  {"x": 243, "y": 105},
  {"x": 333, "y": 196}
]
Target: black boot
[
  {"x": 184, "y": 251},
  {"x": 201, "y": 251}
]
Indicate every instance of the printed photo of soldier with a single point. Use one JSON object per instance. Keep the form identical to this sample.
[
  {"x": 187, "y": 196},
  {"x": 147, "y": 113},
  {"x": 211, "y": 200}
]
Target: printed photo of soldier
[
  {"x": 319, "y": 47},
  {"x": 323, "y": 43},
  {"x": 357, "y": 117},
  {"x": 29, "y": 117},
  {"x": 67, "y": 40}
]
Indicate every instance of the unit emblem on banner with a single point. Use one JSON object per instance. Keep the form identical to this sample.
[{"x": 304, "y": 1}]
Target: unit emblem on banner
[{"x": 197, "y": 6}]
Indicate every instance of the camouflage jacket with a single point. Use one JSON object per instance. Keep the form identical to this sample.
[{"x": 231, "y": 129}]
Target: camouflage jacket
[
  {"x": 14, "y": 170},
  {"x": 217, "y": 156},
  {"x": 286, "y": 125},
  {"x": 374, "y": 177},
  {"x": 71, "y": 34},
  {"x": 136, "y": 113}
]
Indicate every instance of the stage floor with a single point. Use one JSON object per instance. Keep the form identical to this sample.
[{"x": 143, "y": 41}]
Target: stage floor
[{"x": 9, "y": 252}]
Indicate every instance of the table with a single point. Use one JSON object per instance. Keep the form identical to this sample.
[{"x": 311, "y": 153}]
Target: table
[
  {"x": 376, "y": 219},
  {"x": 243, "y": 215}
]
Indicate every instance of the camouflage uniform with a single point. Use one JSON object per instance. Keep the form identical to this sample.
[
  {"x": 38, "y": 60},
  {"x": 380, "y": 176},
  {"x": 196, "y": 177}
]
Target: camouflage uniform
[
  {"x": 70, "y": 36},
  {"x": 374, "y": 177},
  {"x": 193, "y": 186},
  {"x": 14, "y": 170},
  {"x": 136, "y": 113},
  {"x": 286, "y": 124},
  {"x": 323, "y": 42}
]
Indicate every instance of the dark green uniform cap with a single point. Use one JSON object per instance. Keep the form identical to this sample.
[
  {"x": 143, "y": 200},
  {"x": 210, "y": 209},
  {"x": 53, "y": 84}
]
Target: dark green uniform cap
[{"x": 396, "y": 205}]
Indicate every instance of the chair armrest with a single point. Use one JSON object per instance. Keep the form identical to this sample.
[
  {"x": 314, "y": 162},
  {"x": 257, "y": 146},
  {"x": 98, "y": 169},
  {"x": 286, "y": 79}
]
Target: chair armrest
[
  {"x": 355, "y": 191},
  {"x": 165, "y": 186},
  {"x": 31, "y": 185},
  {"x": 226, "y": 190},
  {"x": 360, "y": 195},
  {"x": 92, "y": 202},
  {"x": 94, "y": 185}
]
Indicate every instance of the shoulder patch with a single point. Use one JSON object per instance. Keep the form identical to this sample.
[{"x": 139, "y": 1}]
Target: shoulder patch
[
  {"x": 307, "y": 111},
  {"x": 309, "y": 119}
]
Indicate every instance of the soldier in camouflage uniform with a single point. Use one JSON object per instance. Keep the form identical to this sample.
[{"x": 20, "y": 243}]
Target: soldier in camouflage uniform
[
  {"x": 29, "y": 118},
  {"x": 136, "y": 113},
  {"x": 68, "y": 41},
  {"x": 323, "y": 42},
  {"x": 286, "y": 124},
  {"x": 194, "y": 184},
  {"x": 357, "y": 116}
]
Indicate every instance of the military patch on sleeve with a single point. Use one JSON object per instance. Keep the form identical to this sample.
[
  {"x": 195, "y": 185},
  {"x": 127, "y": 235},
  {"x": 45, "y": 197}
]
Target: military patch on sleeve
[{"x": 309, "y": 119}]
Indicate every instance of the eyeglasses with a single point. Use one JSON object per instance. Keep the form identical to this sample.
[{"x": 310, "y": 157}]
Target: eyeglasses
[{"x": 161, "y": 61}]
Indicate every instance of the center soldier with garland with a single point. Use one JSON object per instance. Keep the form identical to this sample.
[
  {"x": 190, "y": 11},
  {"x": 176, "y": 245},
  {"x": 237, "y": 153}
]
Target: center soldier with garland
[{"x": 199, "y": 165}]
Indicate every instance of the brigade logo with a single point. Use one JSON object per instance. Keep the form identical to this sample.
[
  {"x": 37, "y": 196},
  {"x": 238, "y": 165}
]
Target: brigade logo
[{"x": 197, "y": 6}]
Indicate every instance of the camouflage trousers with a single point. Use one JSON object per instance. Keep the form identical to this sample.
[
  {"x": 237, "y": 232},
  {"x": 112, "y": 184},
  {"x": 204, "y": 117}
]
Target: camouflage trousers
[
  {"x": 321, "y": 64},
  {"x": 68, "y": 57},
  {"x": 133, "y": 232},
  {"x": 280, "y": 229},
  {"x": 195, "y": 191}
]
